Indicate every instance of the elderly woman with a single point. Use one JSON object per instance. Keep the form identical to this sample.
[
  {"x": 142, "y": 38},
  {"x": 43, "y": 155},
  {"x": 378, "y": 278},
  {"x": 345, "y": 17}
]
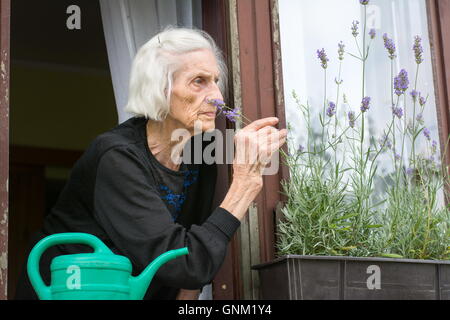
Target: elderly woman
[{"x": 129, "y": 190}]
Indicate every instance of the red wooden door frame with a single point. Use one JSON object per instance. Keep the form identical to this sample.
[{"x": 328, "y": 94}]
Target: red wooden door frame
[
  {"x": 439, "y": 23},
  {"x": 5, "y": 13},
  {"x": 262, "y": 96},
  {"x": 226, "y": 284}
]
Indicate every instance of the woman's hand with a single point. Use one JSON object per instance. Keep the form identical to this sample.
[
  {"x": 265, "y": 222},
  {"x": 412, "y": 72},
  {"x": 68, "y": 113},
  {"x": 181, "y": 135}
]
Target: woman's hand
[{"x": 255, "y": 144}]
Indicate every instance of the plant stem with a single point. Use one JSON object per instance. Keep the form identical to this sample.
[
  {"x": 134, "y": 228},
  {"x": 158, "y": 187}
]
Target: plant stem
[
  {"x": 336, "y": 114},
  {"x": 363, "y": 79},
  {"x": 363, "y": 91},
  {"x": 364, "y": 51},
  {"x": 392, "y": 82},
  {"x": 394, "y": 145},
  {"x": 405, "y": 129},
  {"x": 315, "y": 151},
  {"x": 359, "y": 50},
  {"x": 361, "y": 193},
  {"x": 413, "y": 133},
  {"x": 393, "y": 116},
  {"x": 381, "y": 149},
  {"x": 324, "y": 110}
]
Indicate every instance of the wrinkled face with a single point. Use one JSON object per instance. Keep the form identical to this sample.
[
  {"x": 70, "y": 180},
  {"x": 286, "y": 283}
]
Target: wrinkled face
[{"x": 193, "y": 84}]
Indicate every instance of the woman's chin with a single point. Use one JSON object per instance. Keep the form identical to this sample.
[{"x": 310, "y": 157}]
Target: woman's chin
[{"x": 205, "y": 124}]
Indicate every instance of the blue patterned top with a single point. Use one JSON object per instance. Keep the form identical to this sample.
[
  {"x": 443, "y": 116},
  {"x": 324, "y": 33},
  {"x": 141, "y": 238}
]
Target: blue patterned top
[{"x": 176, "y": 200}]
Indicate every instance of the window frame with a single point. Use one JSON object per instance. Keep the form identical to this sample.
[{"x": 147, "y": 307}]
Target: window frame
[
  {"x": 438, "y": 26},
  {"x": 257, "y": 22},
  {"x": 5, "y": 14}
]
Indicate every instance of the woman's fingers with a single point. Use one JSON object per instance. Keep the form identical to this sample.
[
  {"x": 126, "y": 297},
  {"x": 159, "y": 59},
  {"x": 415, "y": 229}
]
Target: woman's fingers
[
  {"x": 256, "y": 143},
  {"x": 267, "y": 130},
  {"x": 270, "y": 145},
  {"x": 261, "y": 123}
]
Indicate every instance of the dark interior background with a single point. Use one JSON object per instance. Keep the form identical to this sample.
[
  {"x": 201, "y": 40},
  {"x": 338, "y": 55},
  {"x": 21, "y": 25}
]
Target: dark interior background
[{"x": 61, "y": 97}]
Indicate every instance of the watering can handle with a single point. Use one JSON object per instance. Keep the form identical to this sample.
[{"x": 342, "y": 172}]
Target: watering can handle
[{"x": 43, "y": 291}]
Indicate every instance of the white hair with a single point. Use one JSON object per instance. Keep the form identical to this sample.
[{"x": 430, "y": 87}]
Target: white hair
[{"x": 156, "y": 62}]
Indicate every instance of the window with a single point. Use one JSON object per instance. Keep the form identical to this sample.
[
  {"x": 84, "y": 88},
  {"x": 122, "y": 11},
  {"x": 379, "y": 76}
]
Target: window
[{"x": 311, "y": 25}]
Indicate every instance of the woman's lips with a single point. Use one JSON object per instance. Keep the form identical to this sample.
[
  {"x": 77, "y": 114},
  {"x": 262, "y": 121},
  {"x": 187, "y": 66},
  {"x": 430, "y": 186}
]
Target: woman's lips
[{"x": 209, "y": 114}]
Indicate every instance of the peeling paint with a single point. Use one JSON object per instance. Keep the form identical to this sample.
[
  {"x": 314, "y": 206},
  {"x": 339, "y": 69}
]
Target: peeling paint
[
  {"x": 4, "y": 123},
  {"x": 3, "y": 70},
  {"x": 3, "y": 261},
  {"x": 3, "y": 271},
  {"x": 235, "y": 57},
  {"x": 3, "y": 266},
  {"x": 277, "y": 63},
  {"x": 5, "y": 217}
]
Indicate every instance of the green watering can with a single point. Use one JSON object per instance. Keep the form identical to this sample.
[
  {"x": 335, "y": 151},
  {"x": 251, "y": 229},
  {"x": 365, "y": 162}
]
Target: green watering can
[{"x": 101, "y": 275}]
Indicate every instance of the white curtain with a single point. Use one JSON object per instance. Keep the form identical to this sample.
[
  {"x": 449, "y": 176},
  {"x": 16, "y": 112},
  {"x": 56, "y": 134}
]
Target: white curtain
[
  {"x": 128, "y": 24},
  {"x": 310, "y": 25}
]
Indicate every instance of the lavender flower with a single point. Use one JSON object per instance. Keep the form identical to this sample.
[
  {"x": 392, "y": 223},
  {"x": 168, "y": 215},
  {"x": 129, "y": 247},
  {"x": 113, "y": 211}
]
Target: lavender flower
[
  {"x": 219, "y": 104},
  {"x": 331, "y": 110},
  {"x": 414, "y": 94},
  {"x": 401, "y": 82},
  {"x": 410, "y": 171},
  {"x": 397, "y": 157},
  {"x": 390, "y": 46},
  {"x": 427, "y": 133},
  {"x": 341, "y": 50},
  {"x": 385, "y": 142},
  {"x": 232, "y": 114},
  {"x": 434, "y": 146},
  {"x": 365, "y": 104},
  {"x": 300, "y": 148},
  {"x": 364, "y": 2},
  {"x": 323, "y": 58},
  {"x": 397, "y": 111},
  {"x": 372, "y": 33},
  {"x": 354, "y": 28},
  {"x": 422, "y": 100},
  {"x": 419, "y": 118},
  {"x": 418, "y": 50},
  {"x": 351, "y": 119}
]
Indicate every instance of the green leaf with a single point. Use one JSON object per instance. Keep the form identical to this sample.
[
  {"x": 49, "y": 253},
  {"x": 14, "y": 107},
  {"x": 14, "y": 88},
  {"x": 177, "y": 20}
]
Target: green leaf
[
  {"x": 373, "y": 226},
  {"x": 347, "y": 216},
  {"x": 348, "y": 248},
  {"x": 391, "y": 255}
]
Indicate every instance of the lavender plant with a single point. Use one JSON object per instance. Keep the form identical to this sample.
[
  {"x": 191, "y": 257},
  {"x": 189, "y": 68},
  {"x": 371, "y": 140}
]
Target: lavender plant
[
  {"x": 331, "y": 208},
  {"x": 232, "y": 114}
]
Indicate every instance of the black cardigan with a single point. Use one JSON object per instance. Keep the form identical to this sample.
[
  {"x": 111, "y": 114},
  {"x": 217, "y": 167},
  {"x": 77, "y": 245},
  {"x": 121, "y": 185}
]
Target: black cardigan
[{"x": 120, "y": 193}]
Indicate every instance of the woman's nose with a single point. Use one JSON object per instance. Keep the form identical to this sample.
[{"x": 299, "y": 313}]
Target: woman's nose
[{"x": 215, "y": 93}]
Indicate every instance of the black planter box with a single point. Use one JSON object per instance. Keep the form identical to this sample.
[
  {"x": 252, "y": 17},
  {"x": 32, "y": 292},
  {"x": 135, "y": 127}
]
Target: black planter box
[{"x": 296, "y": 277}]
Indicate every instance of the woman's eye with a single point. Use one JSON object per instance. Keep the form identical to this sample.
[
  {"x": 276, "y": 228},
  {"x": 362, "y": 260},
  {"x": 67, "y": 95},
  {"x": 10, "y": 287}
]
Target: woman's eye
[{"x": 199, "y": 81}]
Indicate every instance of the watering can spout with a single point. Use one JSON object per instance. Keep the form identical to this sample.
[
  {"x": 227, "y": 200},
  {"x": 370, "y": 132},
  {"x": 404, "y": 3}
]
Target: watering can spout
[{"x": 140, "y": 283}]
